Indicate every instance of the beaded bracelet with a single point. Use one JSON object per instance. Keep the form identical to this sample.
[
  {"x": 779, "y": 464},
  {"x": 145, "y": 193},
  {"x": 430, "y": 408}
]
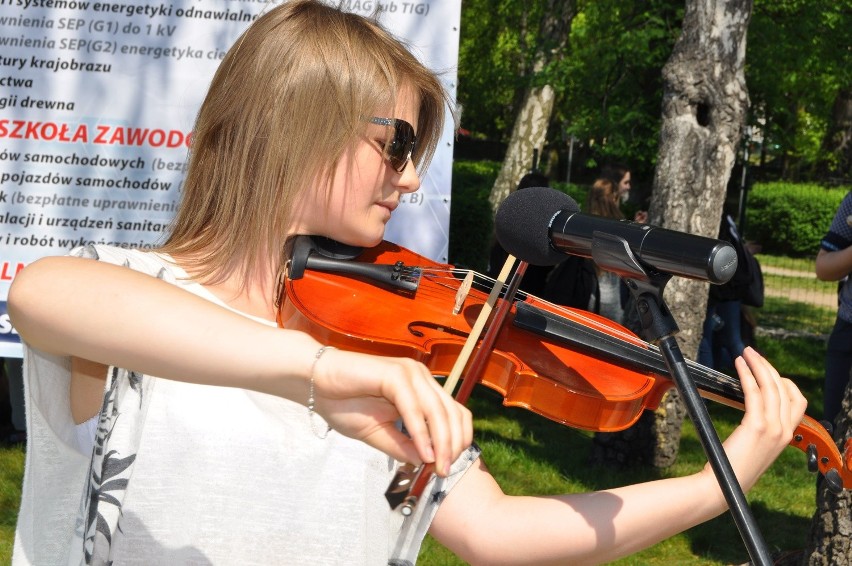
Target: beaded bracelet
[{"x": 311, "y": 400}]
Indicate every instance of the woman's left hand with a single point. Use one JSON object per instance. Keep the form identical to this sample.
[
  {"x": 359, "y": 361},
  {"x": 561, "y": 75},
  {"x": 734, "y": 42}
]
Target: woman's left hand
[{"x": 774, "y": 407}]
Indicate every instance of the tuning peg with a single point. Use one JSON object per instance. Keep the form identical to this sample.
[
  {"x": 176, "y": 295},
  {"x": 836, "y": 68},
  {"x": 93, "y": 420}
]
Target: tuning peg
[
  {"x": 835, "y": 484},
  {"x": 813, "y": 464}
]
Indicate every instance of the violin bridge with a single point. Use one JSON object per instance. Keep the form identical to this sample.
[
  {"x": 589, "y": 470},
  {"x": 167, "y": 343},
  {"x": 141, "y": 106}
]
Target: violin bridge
[{"x": 463, "y": 291}]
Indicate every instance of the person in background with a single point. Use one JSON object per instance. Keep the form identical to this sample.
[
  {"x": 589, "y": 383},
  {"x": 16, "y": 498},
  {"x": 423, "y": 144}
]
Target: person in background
[
  {"x": 834, "y": 263},
  {"x": 170, "y": 419},
  {"x": 604, "y": 199},
  {"x": 721, "y": 338},
  {"x": 619, "y": 174}
]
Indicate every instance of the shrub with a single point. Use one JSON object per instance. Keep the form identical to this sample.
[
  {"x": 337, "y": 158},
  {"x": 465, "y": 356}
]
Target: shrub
[
  {"x": 790, "y": 219},
  {"x": 576, "y": 192},
  {"x": 471, "y": 222}
]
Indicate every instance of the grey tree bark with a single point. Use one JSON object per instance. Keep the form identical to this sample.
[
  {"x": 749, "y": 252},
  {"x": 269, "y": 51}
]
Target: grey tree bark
[
  {"x": 530, "y": 128},
  {"x": 829, "y": 541},
  {"x": 703, "y": 115},
  {"x": 838, "y": 139}
]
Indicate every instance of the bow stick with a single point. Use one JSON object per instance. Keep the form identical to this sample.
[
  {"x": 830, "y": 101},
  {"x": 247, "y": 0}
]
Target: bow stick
[{"x": 411, "y": 480}]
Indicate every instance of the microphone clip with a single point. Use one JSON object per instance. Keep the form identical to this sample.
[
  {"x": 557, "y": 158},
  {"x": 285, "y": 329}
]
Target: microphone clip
[{"x": 613, "y": 253}]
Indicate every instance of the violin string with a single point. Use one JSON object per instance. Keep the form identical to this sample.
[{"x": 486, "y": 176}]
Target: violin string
[
  {"x": 485, "y": 283},
  {"x": 452, "y": 278},
  {"x": 708, "y": 374},
  {"x": 608, "y": 344}
]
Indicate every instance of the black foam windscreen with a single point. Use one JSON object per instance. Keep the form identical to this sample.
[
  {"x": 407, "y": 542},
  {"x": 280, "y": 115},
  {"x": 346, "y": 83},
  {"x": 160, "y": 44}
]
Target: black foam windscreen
[{"x": 522, "y": 223}]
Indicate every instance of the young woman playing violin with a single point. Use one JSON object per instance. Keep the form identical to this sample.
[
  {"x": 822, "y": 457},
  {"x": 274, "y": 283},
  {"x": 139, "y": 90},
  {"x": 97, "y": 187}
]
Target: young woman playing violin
[{"x": 172, "y": 421}]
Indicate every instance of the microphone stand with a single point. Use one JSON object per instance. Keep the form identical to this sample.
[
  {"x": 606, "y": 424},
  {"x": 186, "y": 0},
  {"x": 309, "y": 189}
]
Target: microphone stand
[{"x": 659, "y": 327}]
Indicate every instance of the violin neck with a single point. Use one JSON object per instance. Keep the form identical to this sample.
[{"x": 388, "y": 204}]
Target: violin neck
[{"x": 621, "y": 352}]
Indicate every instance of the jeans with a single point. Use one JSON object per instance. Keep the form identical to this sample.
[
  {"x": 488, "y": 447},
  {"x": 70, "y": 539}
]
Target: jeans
[
  {"x": 838, "y": 361},
  {"x": 720, "y": 347}
]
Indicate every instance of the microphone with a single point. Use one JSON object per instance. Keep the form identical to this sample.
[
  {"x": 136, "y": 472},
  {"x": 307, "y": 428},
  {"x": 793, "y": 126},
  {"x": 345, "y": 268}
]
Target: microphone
[{"x": 539, "y": 225}]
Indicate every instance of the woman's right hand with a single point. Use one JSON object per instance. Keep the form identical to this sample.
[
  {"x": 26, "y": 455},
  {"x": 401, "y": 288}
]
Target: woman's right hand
[{"x": 363, "y": 396}]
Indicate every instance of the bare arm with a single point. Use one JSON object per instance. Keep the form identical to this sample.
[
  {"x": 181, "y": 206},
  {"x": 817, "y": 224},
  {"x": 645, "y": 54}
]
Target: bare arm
[
  {"x": 833, "y": 266},
  {"x": 116, "y": 316},
  {"x": 484, "y": 526}
]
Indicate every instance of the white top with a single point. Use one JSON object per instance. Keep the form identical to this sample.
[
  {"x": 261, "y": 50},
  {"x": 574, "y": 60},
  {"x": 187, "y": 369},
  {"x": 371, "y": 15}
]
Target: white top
[{"x": 194, "y": 474}]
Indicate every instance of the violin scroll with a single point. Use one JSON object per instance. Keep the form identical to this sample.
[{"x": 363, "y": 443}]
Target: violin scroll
[{"x": 823, "y": 455}]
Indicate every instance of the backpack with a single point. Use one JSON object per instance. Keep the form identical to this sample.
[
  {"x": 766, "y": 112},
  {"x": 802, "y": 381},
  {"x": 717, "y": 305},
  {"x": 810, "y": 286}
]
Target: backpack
[
  {"x": 753, "y": 295},
  {"x": 573, "y": 283},
  {"x": 747, "y": 283}
]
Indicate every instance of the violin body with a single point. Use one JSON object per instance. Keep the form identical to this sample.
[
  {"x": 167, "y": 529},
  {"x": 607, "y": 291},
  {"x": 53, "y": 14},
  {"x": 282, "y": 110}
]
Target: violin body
[
  {"x": 580, "y": 390},
  {"x": 584, "y": 388}
]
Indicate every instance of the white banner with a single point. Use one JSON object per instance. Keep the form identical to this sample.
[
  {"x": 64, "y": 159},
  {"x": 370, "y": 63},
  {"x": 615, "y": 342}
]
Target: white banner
[{"x": 97, "y": 103}]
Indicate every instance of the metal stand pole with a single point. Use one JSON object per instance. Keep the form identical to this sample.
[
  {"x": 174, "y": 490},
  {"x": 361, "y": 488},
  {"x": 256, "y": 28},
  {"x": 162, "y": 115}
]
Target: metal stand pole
[{"x": 659, "y": 327}]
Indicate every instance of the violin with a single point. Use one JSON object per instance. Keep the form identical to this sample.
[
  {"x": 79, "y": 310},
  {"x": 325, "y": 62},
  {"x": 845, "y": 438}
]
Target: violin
[{"x": 568, "y": 365}]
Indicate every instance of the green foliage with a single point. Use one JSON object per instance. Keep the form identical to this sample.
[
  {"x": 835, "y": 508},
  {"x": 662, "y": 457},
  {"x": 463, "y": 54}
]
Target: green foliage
[
  {"x": 611, "y": 85},
  {"x": 790, "y": 219},
  {"x": 470, "y": 213},
  {"x": 796, "y": 65},
  {"x": 11, "y": 478},
  {"x": 494, "y": 52},
  {"x": 608, "y": 83},
  {"x": 576, "y": 192}
]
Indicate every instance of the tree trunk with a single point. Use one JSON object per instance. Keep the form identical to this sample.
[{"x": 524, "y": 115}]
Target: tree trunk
[
  {"x": 704, "y": 107},
  {"x": 829, "y": 542},
  {"x": 530, "y": 129},
  {"x": 838, "y": 139},
  {"x": 528, "y": 135}
]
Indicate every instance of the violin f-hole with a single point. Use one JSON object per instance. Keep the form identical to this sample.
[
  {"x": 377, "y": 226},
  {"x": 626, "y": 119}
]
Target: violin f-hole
[{"x": 414, "y": 325}]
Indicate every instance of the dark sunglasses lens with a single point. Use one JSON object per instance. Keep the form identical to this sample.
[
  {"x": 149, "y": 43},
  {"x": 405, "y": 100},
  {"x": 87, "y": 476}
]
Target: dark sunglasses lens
[{"x": 402, "y": 146}]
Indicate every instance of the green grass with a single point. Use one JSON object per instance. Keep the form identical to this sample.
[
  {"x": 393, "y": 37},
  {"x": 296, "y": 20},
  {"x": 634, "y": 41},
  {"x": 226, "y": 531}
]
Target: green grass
[
  {"x": 11, "y": 475},
  {"x": 532, "y": 455},
  {"x": 795, "y": 317},
  {"x": 795, "y": 299},
  {"x": 807, "y": 284}
]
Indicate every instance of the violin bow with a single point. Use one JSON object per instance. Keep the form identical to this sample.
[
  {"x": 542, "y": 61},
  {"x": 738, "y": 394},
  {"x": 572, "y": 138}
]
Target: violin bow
[
  {"x": 410, "y": 481},
  {"x": 476, "y": 330}
]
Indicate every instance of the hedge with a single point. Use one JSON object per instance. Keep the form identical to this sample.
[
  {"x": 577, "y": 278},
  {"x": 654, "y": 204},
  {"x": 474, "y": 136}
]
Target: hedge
[
  {"x": 790, "y": 219},
  {"x": 784, "y": 218}
]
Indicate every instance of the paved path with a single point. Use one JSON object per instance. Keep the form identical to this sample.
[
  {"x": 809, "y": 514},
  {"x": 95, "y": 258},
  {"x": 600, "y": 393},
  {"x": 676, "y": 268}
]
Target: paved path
[
  {"x": 828, "y": 300},
  {"x": 787, "y": 272},
  {"x": 810, "y": 296}
]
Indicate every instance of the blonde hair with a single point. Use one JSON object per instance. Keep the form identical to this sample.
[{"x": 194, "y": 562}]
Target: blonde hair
[
  {"x": 287, "y": 101},
  {"x": 603, "y": 199}
]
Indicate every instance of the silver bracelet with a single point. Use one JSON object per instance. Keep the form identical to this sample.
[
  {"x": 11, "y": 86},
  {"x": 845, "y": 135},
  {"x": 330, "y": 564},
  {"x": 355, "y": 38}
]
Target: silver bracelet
[{"x": 318, "y": 433}]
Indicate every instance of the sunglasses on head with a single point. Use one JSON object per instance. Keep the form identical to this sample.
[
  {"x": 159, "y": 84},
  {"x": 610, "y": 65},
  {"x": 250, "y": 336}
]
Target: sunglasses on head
[{"x": 399, "y": 149}]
